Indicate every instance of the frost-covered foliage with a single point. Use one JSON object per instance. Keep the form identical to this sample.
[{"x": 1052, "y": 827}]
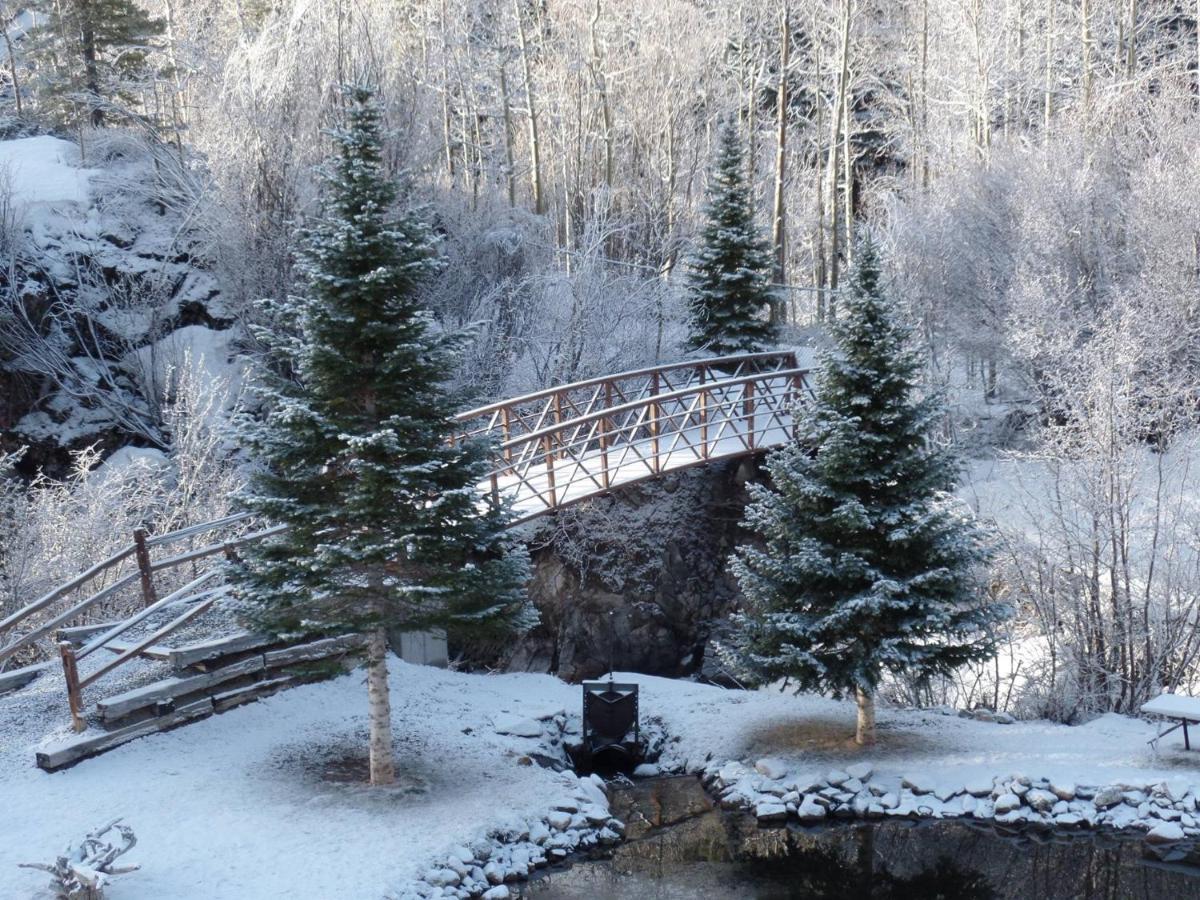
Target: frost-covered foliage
[
  {"x": 51, "y": 528},
  {"x": 730, "y": 277},
  {"x": 866, "y": 566}
]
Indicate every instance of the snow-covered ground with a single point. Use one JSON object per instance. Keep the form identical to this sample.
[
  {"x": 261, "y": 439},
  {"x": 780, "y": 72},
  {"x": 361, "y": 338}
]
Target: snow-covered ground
[
  {"x": 44, "y": 170},
  {"x": 236, "y": 806},
  {"x": 813, "y": 733}
]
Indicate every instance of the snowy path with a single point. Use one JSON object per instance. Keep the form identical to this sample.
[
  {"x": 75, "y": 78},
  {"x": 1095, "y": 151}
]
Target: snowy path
[{"x": 230, "y": 807}]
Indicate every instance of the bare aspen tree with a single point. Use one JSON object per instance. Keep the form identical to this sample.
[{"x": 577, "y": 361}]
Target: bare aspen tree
[
  {"x": 779, "y": 211},
  {"x": 596, "y": 66},
  {"x": 510, "y": 169},
  {"x": 535, "y": 149},
  {"x": 837, "y": 133},
  {"x": 1131, "y": 29}
]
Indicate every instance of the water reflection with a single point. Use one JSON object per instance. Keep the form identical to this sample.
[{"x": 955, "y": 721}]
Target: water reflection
[{"x": 891, "y": 860}]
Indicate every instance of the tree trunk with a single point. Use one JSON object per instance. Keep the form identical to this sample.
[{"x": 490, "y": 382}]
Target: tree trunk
[
  {"x": 778, "y": 224},
  {"x": 864, "y": 734},
  {"x": 383, "y": 767},
  {"x": 535, "y": 150}
]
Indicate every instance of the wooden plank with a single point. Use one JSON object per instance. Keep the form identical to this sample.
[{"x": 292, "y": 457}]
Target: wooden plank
[
  {"x": 77, "y": 634},
  {"x": 44, "y": 601},
  {"x": 168, "y": 537},
  {"x": 70, "y": 752},
  {"x": 121, "y": 627},
  {"x": 315, "y": 650},
  {"x": 182, "y": 657},
  {"x": 18, "y": 678},
  {"x": 155, "y": 651},
  {"x": 212, "y": 549},
  {"x": 250, "y": 693},
  {"x": 147, "y": 642},
  {"x": 119, "y": 705},
  {"x": 46, "y": 628}
]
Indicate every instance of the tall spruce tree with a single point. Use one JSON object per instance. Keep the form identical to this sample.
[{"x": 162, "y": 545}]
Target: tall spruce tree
[
  {"x": 386, "y": 529},
  {"x": 730, "y": 278},
  {"x": 866, "y": 564},
  {"x": 89, "y": 53}
]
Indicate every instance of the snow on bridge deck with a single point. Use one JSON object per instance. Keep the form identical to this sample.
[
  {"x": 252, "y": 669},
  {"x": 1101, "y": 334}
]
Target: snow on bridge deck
[{"x": 570, "y": 443}]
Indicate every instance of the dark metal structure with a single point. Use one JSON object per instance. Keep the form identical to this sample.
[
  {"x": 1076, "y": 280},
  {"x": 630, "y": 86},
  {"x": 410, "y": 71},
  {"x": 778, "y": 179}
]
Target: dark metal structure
[{"x": 611, "y": 733}]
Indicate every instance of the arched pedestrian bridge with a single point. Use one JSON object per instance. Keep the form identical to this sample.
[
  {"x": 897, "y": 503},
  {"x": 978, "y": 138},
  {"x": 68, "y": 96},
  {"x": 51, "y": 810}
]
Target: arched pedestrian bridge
[{"x": 570, "y": 443}]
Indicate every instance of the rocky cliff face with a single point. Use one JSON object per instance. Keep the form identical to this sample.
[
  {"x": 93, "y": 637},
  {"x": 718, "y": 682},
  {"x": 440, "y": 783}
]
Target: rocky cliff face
[
  {"x": 106, "y": 286},
  {"x": 639, "y": 577}
]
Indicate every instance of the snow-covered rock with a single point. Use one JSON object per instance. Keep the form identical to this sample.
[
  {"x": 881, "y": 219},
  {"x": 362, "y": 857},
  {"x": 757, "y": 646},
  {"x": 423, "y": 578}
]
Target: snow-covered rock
[
  {"x": 1165, "y": 833},
  {"x": 1007, "y": 803},
  {"x": 771, "y": 767},
  {"x": 517, "y": 726}
]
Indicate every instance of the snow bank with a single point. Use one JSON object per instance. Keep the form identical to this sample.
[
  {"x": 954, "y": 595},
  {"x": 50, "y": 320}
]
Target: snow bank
[{"x": 45, "y": 170}]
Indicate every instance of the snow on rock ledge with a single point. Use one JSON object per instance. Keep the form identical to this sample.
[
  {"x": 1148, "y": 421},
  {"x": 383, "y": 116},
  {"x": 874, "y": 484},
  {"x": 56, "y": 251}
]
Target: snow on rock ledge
[
  {"x": 579, "y": 820},
  {"x": 1166, "y": 810}
]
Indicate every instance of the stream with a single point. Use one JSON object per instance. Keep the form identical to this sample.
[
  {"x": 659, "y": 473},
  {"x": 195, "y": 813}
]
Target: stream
[{"x": 680, "y": 846}]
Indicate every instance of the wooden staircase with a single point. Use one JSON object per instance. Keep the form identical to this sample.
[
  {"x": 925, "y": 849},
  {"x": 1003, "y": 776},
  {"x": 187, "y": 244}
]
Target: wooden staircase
[{"x": 208, "y": 678}]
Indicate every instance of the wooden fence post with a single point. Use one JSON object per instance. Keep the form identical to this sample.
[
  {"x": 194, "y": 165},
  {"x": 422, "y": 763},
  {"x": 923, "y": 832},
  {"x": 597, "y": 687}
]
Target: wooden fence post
[
  {"x": 656, "y": 467},
  {"x": 74, "y": 695},
  {"x": 506, "y": 426},
  {"x": 749, "y": 410},
  {"x": 143, "y": 560},
  {"x": 549, "y": 452}
]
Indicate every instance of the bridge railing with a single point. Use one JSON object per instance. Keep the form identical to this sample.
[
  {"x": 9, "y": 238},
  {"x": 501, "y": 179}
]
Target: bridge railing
[{"x": 599, "y": 434}]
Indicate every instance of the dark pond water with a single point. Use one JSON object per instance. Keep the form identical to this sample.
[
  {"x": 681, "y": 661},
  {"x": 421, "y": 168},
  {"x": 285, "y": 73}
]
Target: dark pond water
[{"x": 680, "y": 848}]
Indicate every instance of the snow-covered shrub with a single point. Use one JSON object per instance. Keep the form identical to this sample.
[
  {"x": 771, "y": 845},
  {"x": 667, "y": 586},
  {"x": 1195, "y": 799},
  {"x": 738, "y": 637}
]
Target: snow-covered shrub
[{"x": 52, "y": 528}]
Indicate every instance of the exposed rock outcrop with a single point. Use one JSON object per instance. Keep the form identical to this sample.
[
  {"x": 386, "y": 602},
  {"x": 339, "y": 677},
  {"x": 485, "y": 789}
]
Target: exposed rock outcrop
[{"x": 638, "y": 577}]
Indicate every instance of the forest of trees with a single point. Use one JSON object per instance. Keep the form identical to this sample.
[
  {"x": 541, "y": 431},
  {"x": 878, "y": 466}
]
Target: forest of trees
[{"x": 1028, "y": 169}]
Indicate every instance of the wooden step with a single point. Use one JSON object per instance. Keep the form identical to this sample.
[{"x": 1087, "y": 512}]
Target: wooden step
[
  {"x": 154, "y": 651},
  {"x": 73, "y": 750},
  {"x": 207, "y": 651},
  {"x": 171, "y": 689},
  {"x": 77, "y": 634},
  {"x": 18, "y": 678}
]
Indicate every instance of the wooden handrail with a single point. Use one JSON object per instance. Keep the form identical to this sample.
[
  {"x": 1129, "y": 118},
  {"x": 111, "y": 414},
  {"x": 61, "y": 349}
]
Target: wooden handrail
[
  {"x": 710, "y": 387},
  {"x": 712, "y": 363},
  {"x": 48, "y": 627},
  {"x": 45, "y": 600}
]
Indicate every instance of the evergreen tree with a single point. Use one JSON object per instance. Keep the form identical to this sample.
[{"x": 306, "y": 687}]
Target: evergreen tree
[
  {"x": 386, "y": 529},
  {"x": 866, "y": 563},
  {"x": 730, "y": 277},
  {"x": 90, "y": 53}
]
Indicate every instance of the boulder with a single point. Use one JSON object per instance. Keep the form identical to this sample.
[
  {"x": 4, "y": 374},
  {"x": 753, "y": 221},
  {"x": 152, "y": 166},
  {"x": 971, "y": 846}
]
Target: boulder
[
  {"x": 1063, "y": 790},
  {"x": 1108, "y": 797},
  {"x": 861, "y": 771},
  {"x": 1006, "y": 803},
  {"x": 810, "y": 810},
  {"x": 770, "y": 813},
  {"x": 770, "y": 767},
  {"x": 1165, "y": 833}
]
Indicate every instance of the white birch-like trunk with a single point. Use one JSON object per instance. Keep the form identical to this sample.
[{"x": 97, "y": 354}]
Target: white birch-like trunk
[
  {"x": 383, "y": 767},
  {"x": 864, "y": 734}
]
